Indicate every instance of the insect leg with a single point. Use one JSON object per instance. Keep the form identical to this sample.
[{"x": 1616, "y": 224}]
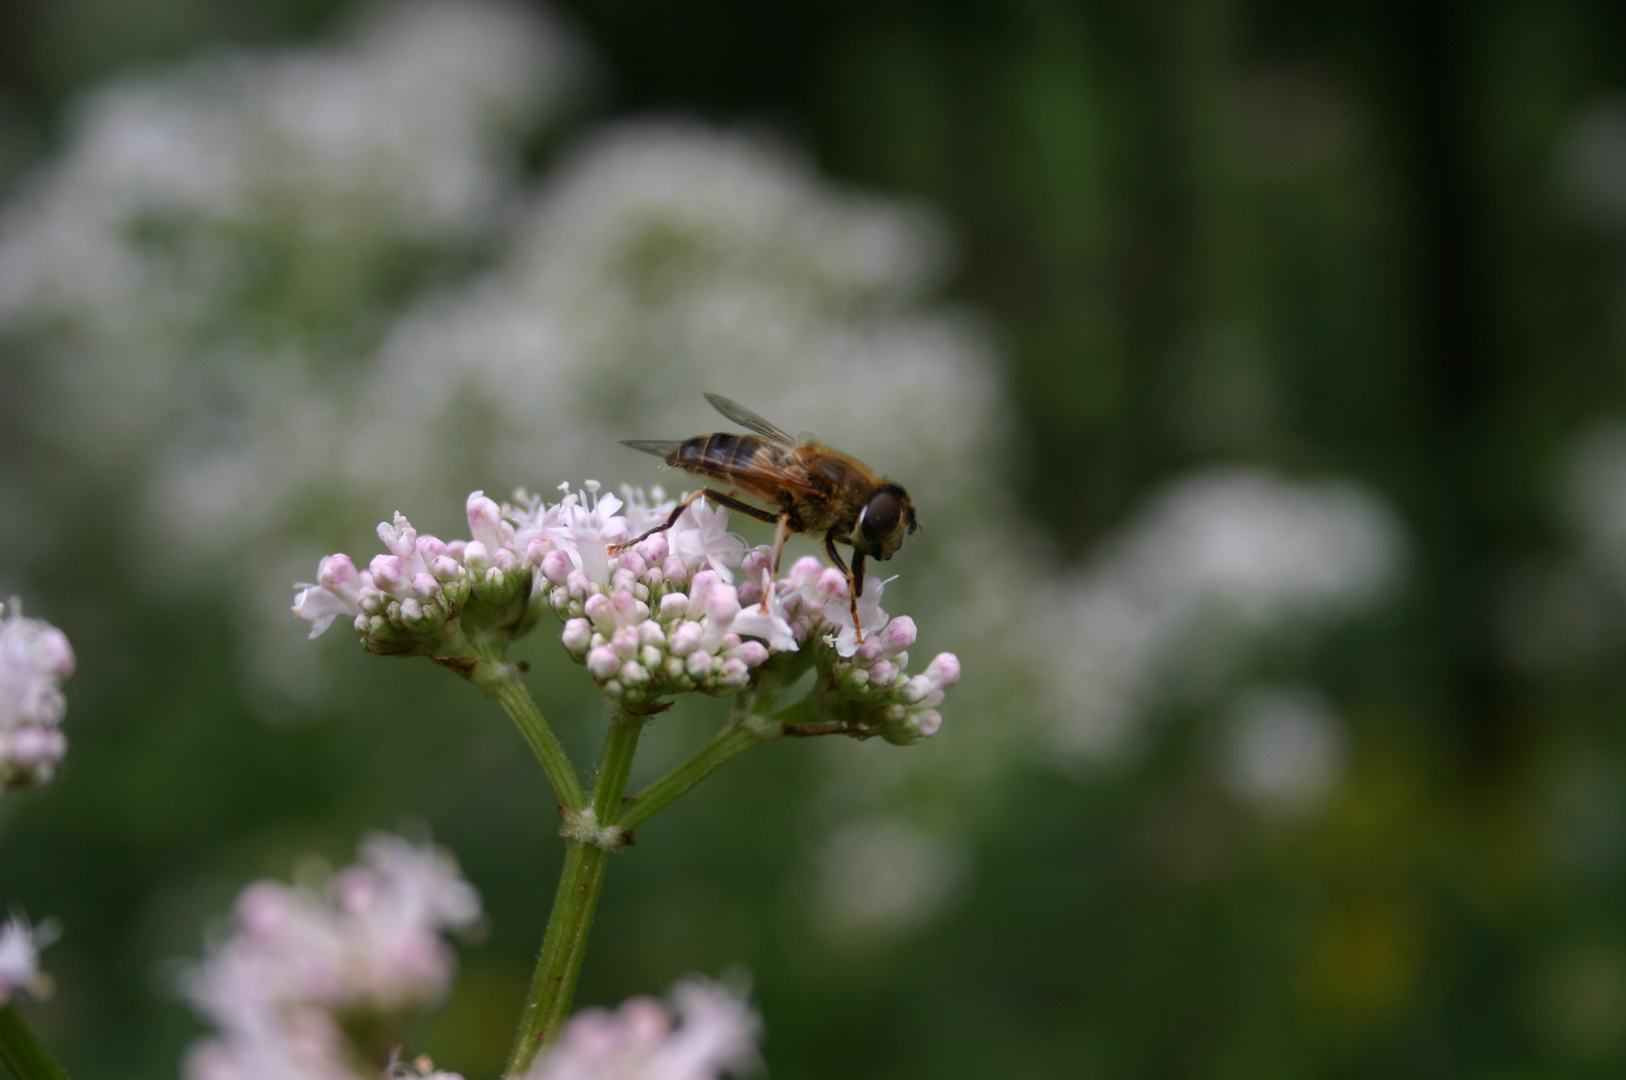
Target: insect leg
[
  {"x": 671, "y": 519},
  {"x": 781, "y": 534},
  {"x": 853, "y": 582},
  {"x": 734, "y": 504},
  {"x": 677, "y": 512}
]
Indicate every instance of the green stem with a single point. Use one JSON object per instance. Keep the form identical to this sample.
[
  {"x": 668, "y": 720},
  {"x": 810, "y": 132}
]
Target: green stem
[
  {"x": 734, "y": 738},
  {"x": 502, "y": 682},
  {"x": 21, "y": 1051},
  {"x": 553, "y": 987}
]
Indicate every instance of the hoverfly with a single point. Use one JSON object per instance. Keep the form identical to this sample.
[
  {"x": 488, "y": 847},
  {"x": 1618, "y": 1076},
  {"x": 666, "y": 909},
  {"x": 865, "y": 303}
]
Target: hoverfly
[{"x": 812, "y": 488}]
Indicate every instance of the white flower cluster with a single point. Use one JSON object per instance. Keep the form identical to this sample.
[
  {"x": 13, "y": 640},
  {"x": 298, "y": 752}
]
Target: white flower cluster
[
  {"x": 1220, "y": 559},
  {"x": 20, "y": 947},
  {"x": 649, "y": 619},
  {"x": 34, "y": 658},
  {"x": 306, "y": 967},
  {"x": 705, "y": 1033}
]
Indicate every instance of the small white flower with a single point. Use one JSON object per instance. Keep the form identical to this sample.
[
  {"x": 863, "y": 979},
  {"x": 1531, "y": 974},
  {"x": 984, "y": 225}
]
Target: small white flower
[
  {"x": 707, "y": 1032},
  {"x": 771, "y": 625},
  {"x": 838, "y": 612},
  {"x": 701, "y": 538}
]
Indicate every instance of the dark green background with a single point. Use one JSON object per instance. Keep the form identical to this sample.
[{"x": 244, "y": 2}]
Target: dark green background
[{"x": 1372, "y": 194}]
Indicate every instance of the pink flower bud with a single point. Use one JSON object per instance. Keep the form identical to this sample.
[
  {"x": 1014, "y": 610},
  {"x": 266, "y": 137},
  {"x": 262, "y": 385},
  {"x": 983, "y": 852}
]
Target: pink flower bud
[
  {"x": 430, "y": 547},
  {"x": 698, "y": 665},
  {"x": 884, "y": 673},
  {"x": 867, "y": 653},
  {"x": 674, "y": 570},
  {"x": 650, "y": 633},
  {"x": 445, "y": 568},
  {"x": 505, "y": 560},
  {"x": 34, "y": 747},
  {"x": 927, "y": 721},
  {"x": 601, "y": 611},
  {"x": 832, "y": 583},
  {"x": 627, "y": 608},
  {"x": 633, "y": 563},
  {"x": 684, "y": 639},
  {"x": 755, "y": 562},
  {"x": 653, "y": 549},
  {"x": 916, "y": 689},
  {"x": 625, "y": 642},
  {"x": 722, "y": 603},
  {"x": 698, "y": 588},
  {"x": 556, "y": 566},
  {"x": 733, "y": 673},
  {"x": 898, "y": 636},
  {"x": 944, "y": 670},
  {"x": 389, "y": 573},
  {"x": 264, "y": 909},
  {"x": 633, "y": 674},
  {"x": 485, "y": 519},
  {"x": 751, "y": 653},
  {"x": 576, "y": 636},
  {"x": 602, "y": 662},
  {"x": 339, "y": 576},
  {"x": 537, "y": 550},
  {"x": 578, "y": 585},
  {"x": 673, "y": 604},
  {"x": 805, "y": 571},
  {"x": 476, "y": 556}
]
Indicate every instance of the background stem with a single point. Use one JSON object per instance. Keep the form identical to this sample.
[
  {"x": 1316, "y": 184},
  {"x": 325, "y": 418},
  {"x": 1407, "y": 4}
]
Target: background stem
[{"x": 21, "y": 1051}]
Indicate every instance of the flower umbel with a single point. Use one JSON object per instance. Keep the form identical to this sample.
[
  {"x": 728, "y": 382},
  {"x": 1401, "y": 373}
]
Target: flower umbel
[
  {"x": 34, "y": 658},
  {"x": 704, "y": 1033},
  {"x": 647, "y": 620},
  {"x": 312, "y": 982}
]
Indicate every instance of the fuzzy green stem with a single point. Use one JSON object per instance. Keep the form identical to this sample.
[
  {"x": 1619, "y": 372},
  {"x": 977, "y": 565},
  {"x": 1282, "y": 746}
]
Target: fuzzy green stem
[
  {"x": 502, "y": 682},
  {"x": 733, "y": 739},
  {"x": 21, "y": 1051},
  {"x": 553, "y": 987}
]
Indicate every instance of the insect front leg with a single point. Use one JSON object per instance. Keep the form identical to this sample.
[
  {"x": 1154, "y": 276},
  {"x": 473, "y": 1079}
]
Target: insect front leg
[
  {"x": 781, "y": 534},
  {"x": 854, "y": 581}
]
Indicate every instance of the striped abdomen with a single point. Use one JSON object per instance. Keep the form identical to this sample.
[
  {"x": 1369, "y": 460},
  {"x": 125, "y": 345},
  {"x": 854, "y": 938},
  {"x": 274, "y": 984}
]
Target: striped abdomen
[{"x": 745, "y": 461}]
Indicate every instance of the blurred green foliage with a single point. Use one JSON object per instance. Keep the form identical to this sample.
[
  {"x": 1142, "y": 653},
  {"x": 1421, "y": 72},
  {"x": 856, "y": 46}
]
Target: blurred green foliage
[{"x": 1329, "y": 238}]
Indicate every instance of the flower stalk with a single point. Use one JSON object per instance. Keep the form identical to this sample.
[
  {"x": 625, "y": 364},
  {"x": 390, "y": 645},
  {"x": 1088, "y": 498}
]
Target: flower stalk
[
  {"x": 501, "y": 680},
  {"x": 553, "y": 986},
  {"x": 22, "y": 1053}
]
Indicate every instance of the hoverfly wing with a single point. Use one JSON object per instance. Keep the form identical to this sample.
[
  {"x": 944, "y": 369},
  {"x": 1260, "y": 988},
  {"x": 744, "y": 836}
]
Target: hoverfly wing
[
  {"x": 661, "y": 448},
  {"x": 745, "y": 417}
]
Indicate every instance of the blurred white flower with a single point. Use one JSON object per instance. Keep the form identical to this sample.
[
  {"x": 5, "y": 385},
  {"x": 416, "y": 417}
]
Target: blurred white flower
[
  {"x": 1594, "y": 499},
  {"x": 214, "y": 233},
  {"x": 34, "y": 659},
  {"x": 705, "y": 1033},
  {"x": 20, "y": 946},
  {"x": 1284, "y": 747},
  {"x": 302, "y": 962},
  {"x": 1219, "y": 558}
]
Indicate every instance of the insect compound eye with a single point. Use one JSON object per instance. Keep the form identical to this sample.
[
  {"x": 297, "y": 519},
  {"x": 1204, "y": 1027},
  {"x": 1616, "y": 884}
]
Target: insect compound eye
[{"x": 881, "y": 515}]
